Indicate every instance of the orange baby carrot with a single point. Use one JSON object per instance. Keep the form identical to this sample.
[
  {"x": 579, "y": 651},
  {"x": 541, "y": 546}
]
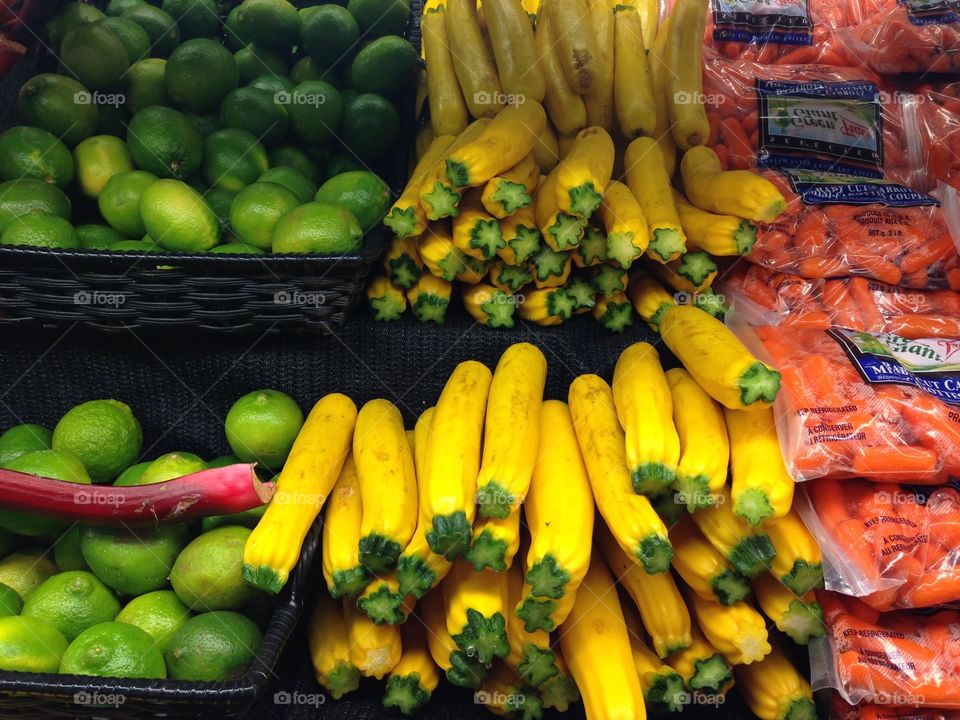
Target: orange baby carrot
[{"x": 918, "y": 463}]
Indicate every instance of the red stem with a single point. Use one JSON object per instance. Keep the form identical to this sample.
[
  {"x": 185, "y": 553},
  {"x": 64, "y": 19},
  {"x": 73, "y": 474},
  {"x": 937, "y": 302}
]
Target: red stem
[{"x": 218, "y": 491}]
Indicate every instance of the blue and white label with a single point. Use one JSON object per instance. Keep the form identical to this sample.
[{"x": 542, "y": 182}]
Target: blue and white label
[
  {"x": 784, "y": 22},
  {"x": 832, "y": 189},
  {"x": 932, "y": 12}
]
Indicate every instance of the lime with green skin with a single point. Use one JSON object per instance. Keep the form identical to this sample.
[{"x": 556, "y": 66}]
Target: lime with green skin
[
  {"x": 162, "y": 29},
  {"x": 317, "y": 227},
  {"x": 21, "y": 439},
  {"x": 205, "y": 124},
  {"x": 41, "y": 230},
  {"x": 199, "y": 74},
  {"x": 385, "y": 66},
  {"x": 341, "y": 162},
  {"x": 99, "y": 158},
  {"x": 66, "y": 551},
  {"x": 96, "y": 56},
  {"x": 114, "y": 649},
  {"x": 361, "y": 192},
  {"x": 380, "y": 17},
  {"x": 273, "y": 84},
  {"x": 54, "y": 464},
  {"x": 315, "y": 111},
  {"x": 132, "y": 475},
  {"x": 29, "y": 152},
  {"x": 294, "y": 157},
  {"x": 213, "y": 646},
  {"x": 233, "y": 159},
  {"x": 72, "y": 601},
  {"x": 195, "y": 18},
  {"x": 257, "y": 209},
  {"x": 177, "y": 217},
  {"x": 307, "y": 69},
  {"x": 273, "y": 24},
  {"x": 145, "y": 85},
  {"x": 262, "y": 425},
  {"x": 21, "y": 197},
  {"x": 329, "y": 34},
  {"x": 208, "y": 574},
  {"x": 104, "y": 434},
  {"x": 29, "y": 644},
  {"x": 160, "y": 614},
  {"x": 116, "y": 8},
  {"x": 48, "y": 101},
  {"x": 10, "y": 602},
  {"x": 170, "y": 466},
  {"x": 370, "y": 126},
  {"x": 293, "y": 180},
  {"x": 119, "y": 201},
  {"x": 235, "y": 40},
  {"x": 68, "y": 17},
  {"x": 255, "y": 111},
  {"x": 25, "y": 569},
  {"x": 253, "y": 62},
  {"x": 133, "y": 37},
  {"x": 98, "y": 237},
  {"x": 133, "y": 561},
  {"x": 219, "y": 200}
]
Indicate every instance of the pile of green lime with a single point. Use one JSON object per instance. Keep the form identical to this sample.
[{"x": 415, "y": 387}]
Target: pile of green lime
[
  {"x": 185, "y": 133},
  {"x": 149, "y": 602}
]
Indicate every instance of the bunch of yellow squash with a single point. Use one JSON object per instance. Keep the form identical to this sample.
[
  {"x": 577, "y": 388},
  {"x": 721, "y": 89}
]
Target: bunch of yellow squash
[{"x": 540, "y": 551}]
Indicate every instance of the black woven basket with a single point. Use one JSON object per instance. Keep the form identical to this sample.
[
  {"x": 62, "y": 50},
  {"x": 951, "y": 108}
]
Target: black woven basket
[{"x": 221, "y": 293}]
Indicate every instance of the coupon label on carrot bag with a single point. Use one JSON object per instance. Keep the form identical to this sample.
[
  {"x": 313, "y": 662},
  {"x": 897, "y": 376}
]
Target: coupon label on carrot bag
[
  {"x": 932, "y": 12},
  {"x": 817, "y": 188},
  {"x": 786, "y": 23}
]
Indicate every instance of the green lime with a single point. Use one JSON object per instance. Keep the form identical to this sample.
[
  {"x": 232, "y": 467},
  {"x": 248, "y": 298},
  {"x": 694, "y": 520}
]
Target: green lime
[
  {"x": 256, "y": 112},
  {"x": 160, "y": 614},
  {"x": 237, "y": 248},
  {"x": 99, "y": 158},
  {"x": 273, "y": 84},
  {"x": 137, "y": 246},
  {"x": 26, "y": 569},
  {"x": 177, "y": 217},
  {"x": 223, "y": 461},
  {"x": 132, "y": 475},
  {"x": 20, "y": 197},
  {"x": 235, "y": 41},
  {"x": 208, "y": 574},
  {"x": 54, "y": 103},
  {"x": 133, "y": 561},
  {"x": 95, "y": 55},
  {"x": 104, "y": 434},
  {"x": 40, "y": 230},
  {"x": 112, "y": 115},
  {"x": 145, "y": 86},
  {"x": 34, "y": 153},
  {"x": 385, "y": 66},
  {"x": 66, "y": 551},
  {"x": 253, "y": 62},
  {"x": 309, "y": 69},
  {"x": 162, "y": 29},
  {"x": 247, "y": 519},
  {"x": 10, "y": 602},
  {"x": 68, "y": 17},
  {"x": 329, "y": 34},
  {"x": 361, "y": 192},
  {"x": 262, "y": 425},
  {"x": 97, "y": 237},
  {"x": 233, "y": 159},
  {"x": 72, "y": 601},
  {"x": 272, "y": 24},
  {"x": 116, "y": 8},
  {"x": 199, "y": 74},
  {"x": 315, "y": 109},
  {"x": 29, "y": 644},
  {"x": 380, "y": 17},
  {"x": 341, "y": 162},
  {"x": 256, "y": 211},
  {"x": 133, "y": 37},
  {"x": 114, "y": 649},
  {"x": 293, "y": 180},
  {"x": 195, "y": 18},
  {"x": 214, "y": 646},
  {"x": 205, "y": 125},
  {"x": 21, "y": 439},
  {"x": 170, "y": 466},
  {"x": 54, "y": 464},
  {"x": 295, "y": 157},
  {"x": 219, "y": 200},
  {"x": 317, "y": 227},
  {"x": 119, "y": 201}
]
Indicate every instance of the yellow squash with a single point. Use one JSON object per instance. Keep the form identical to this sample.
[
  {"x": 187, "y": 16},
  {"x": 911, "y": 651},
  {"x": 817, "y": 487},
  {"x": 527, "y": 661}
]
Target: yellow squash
[
  {"x": 738, "y": 631},
  {"x": 648, "y": 181},
  {"x": 687, "y": 111},
  {"x": 439, "y": 255},
  {"x": 626, "y": 226},
  {"x": 559, "y": 691},
  {"x": 702, "y": 567},
  {"x": 406, "y": 217},
  {"x": 438, "y": 198},
  {"x": 522, "y": 237},
  {"x": 511, "y": 35},
  {"x": 564, "y": 106},
  {"x": 448, "y": 111},
  {"x": 513, "y": 189},
  {"x": 505, "y": 693},
  {"x": 584, "y": 173},
  {"x": 495, "y": 542},
  {"x": 662, "y": 686},
  {"x": 747, "y": 549},
  {"x": 691, "y": 273},
  {"x": 488, "y": 305},
  {"x": 797, "y": 563},
  {"x": 546, "y": 151},
  {"x": 701, "y": 665},
  {"x": 799, "y": 617},
  {"x": 632, "y": 520},
  {"x": 549, "y": 306},
  {"x": 429, "y": 298},
  {"x": 476, "y": 233},
  {"x": 530, "y": 653},
  {"x": 657, "y": 59},
  {"x": 632, "y": 88},
  {"x": 560, "y": 230},
  {"x": 329, "y": 649},
  {"x": 596, "y": 646},
  {"x": 415, "y": 677},
  {"x": 576, "y": 42},
  {"x": 510, "y": 279},
  {"x": 649, "y": 298},
  {"x": 614, "y": 313},
  {"x": 374, "y": 649},
  {"x": 717, "y": 360},
  {"x": 452, "y": 459},
  {"x": 308, "y": 476},
  {"x": 761, "y": 487},
  {"x": 477, "y": 605},
  {"x": 342, "y": 569},
  {"x": 383, "y": 602},
  {"x": 402, "y": 262},
  {"x": 717, "y": 234},
  {"x": 774, "y": 690},
  {"x": 704, "y": 446},
  {"x": 728, "y": 192},
  {"x": 472, "y": 61},
  {"x": 459, "y": 668},
  {"x": 642, "y": 398},
  {"x": 599, "y": 99},
  {"x": 387, "y": 301}
]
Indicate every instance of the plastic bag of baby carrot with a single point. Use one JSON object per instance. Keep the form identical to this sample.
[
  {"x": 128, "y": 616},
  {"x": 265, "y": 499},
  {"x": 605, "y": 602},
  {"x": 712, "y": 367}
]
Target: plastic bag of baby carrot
[
  {"x": 865, "y": 404},
  {"x": 890, "y": 545},
  {"x": 897, "y": 658},
  {"x": 840, "y": 709},
  {"x": 763, "y": 297},
  {"x": 938, "y": 119}
]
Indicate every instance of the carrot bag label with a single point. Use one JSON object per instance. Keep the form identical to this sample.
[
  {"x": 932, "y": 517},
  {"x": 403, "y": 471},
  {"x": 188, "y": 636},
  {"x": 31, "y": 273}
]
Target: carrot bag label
[{"x": 787, "y": 22}]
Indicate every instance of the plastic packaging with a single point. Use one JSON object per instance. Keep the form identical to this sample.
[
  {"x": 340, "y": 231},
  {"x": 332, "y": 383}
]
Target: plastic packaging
[
  {"x": 772, "y": 298},
  {"x": 938, "y": 122},
  {"x": 893, "y": 546},
  {"x": 899, "y": 658},
  {"x": 872, "y": 405},
  {"x": 841, "y": 710}
]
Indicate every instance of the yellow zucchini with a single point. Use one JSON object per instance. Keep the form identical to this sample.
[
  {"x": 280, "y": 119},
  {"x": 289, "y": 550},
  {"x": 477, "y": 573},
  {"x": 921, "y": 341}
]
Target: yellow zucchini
[
  {"x": 599, "y": 99},
  {"x": 505, "y": 693},
  {"x": 799, "y": 617},
  {"x": 488, "y": 305},
  {"x": 429, "y": 299},
  {"x": 522, "y": 237},
  {"x": 627, "y": 233},
  {"x": 630, "y": 517},
  {"x": 717, "y": 360},
  {"x": 438, "y": 198},
  {"x": 642, "y": 398},
  {"x": 495, "y": 542},
  {"x": 511, "y": 35},
  {"x": 459, "y": 668},
  {"x": 560, "y": 230},
  {"x": 549, "y": 306},
  {"x": 436, "y": 249},
  {"x": 702, "y": 567},
  {"x": 308, "y": 476},
  {"x": 509, "y": 279},
  {"x": 688, "y": 114},
  {"x": 659, "y": 81},
  {"x": 413, "y": 679},
  {"x": 329, "y": 649},
  {"x": 402, "y": 262},
  {"x": 584, "y": 173},
  {"x": 749, "y": 551},
  {"x": 662, "y": 686},
  {"x": 728, "y": 192},
  {"x": 701, "y": 665},
  {"x": 475, "y": 231},
  {"x": 406, "y": 218},
  {"x": 576, "y": 42},
  {"x": 530, "y": 655},
  {"x": 374, "y": 649},
  {"x": 383, "y": 602},
  {"x": 559, "y": 691},
  {"x": 448, "y": 111},
  {"x": 648, "y": 181},
  {"x": 717, "y": 234},
  {"x": 342, "y": 569},
  {"x": 632, "y": 90},
  {"x": 564, "y": 106},
  {"x": 796, "y": 562},
  {"x": 738, "y": 631},
  {"x": 513, "y": 189},
  {"x": 761, "y": 487},
  {"x": 649, "y": 298},
  {"x": 387, "y": 301},
  {"x": 774, "y": 690},
  {"x": 614, "y": 313},
  {"x": 477, "y": 606},
  {"x": 472, "y": 61},
  {"x": 546, "y": 151}
]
